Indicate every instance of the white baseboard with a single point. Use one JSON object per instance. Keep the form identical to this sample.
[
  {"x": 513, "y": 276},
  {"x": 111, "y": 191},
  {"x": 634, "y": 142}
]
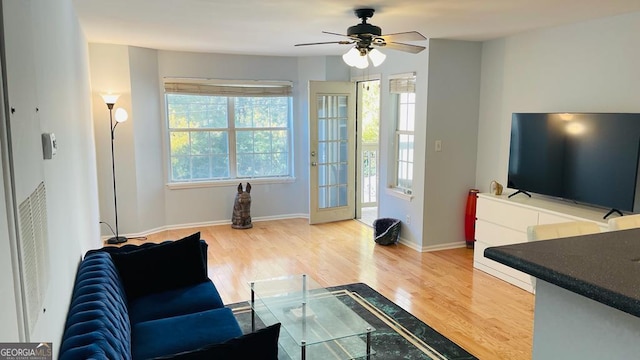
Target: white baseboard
[
  {"x": 410, "y": 244},
  {"x": 448, "y": 246},
  {"x": 419, "y": 248},
  {"x": 204, "y": 224}
]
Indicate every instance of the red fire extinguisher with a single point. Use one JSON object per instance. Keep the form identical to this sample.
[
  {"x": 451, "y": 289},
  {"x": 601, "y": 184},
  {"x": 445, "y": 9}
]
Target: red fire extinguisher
[{"x": 470, "y": 218}]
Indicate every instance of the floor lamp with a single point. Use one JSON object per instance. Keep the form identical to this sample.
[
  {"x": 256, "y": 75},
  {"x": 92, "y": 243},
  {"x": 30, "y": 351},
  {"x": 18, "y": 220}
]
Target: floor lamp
[{"x": 121, "y": 116}]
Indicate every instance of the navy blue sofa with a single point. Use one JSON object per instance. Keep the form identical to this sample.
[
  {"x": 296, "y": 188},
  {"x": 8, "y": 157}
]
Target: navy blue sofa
[{"x": 155, "y": 301}]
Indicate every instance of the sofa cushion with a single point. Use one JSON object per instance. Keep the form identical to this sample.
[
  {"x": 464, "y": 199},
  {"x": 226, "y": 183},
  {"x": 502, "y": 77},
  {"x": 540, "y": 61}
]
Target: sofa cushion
[
  {"x": 130, "y": 247},
  {"x": 183, "y": 333},
  {"x": 186, "y": 300},
  {"x": 160, "y": 268},
  {"x": 258, "y": 345}
]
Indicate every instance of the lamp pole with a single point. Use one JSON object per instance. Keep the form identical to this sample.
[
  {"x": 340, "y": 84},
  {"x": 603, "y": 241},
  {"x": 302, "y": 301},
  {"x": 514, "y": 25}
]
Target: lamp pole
[{"x": 117, "y": 239}]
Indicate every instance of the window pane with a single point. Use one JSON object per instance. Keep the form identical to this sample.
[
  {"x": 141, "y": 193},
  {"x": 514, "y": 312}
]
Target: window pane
[
  {"x": 220, "y": 167},
  {"x": 244, "y": 142},
  {"x": 280, "y": 112},
  {"x": 179, "y": 143},
  {"x": 219, "y": 142},
  {"x": 404, "y": 139},
  {"x": 245, "y": 165},
  {"x": 262, "y": 164},
  {"x": 405, "y": 148},
  {"x": 411, "y": 117},
  {"x": 196, "y": 111},
  {"x": 244, "y": 113},
  {"x": 180, "y": 169},
  {"x": 261, "y": 112},
  {"x": 280, "y": 164},
  {"x": 200, "y": 167},
  {"x": 404, "y": 176},
  {"x": 262, "y": 142},
  {"x": 200, "y": 143},
  {"x": 343, "y": 195},
  {"x": 200, "y": 128},
  {"x": 342, "y": 106},
  {"x": 177, "y": 111},
  {"x": 279, "y": 141}
]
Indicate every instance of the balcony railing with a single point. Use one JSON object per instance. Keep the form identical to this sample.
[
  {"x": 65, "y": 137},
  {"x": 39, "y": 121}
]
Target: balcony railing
[{"x": 369, "y": 174}]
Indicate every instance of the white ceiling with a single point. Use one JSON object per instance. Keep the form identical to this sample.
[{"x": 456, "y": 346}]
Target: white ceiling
[{"x": 272, "y": 27}]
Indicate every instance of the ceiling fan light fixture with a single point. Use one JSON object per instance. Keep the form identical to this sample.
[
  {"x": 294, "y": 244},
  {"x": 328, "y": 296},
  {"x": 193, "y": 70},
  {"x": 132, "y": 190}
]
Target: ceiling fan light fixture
[
  {"x": 377, "y": 57},
  {"x": 356, "y": 58},
  {"x": 362, "y": 62}
]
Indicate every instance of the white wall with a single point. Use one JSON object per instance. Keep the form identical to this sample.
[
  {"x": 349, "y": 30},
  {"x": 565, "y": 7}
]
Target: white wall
[
  {"x": 21, "y": 96},
  {"x": 149, "y": 162},
  {"x": 109, "y": 65},
  {"x": 61, "y": 93},
  {"x": 452, "y": 117},
  {"x": 10, "y": 330},
  {"x": 586, "y": 67},
  {"x": 145, "y": 203},
  {"x": 209, "y": 204},
  {"x": 62, "y": 83},
  {"x": 144, "y": 177}
]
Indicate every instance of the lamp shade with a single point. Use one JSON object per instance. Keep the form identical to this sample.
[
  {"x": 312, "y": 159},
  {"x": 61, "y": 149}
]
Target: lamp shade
[
  {"x": 376, "y": 57},
  {"x": 351, "y": 57},
  {"x": 110, "y": 98},
  {"x": 356, "y": 58},
  {"x": 362, "y": 62},
  {"x": 121, "y": 115}
]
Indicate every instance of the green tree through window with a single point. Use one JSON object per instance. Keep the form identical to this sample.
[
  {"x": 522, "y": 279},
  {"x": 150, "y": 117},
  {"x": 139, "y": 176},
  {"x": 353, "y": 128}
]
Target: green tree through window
[{"x": 214, "y": 137}]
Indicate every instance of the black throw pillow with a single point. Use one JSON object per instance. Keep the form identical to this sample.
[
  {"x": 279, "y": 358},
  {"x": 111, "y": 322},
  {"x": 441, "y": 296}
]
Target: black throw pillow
[
  {"x": 167, "y": 266},
  {"x": 258, "y": 345}
]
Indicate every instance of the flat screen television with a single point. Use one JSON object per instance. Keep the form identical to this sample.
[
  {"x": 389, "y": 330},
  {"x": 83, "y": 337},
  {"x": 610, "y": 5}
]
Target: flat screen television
[{"x": 590, "y": 158}]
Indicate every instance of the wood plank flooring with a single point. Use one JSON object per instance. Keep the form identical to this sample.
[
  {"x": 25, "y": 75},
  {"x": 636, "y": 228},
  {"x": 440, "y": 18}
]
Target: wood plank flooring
[{"x": 488, "y": 317}]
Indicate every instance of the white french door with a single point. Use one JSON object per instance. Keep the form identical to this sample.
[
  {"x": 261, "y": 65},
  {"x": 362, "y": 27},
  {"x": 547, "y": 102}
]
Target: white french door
[{"x": 332, "y": 151}]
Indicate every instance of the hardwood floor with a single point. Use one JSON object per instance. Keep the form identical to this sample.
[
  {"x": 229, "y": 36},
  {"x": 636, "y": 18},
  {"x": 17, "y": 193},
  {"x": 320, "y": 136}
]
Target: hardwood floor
[{"x": 488, "y": 317}]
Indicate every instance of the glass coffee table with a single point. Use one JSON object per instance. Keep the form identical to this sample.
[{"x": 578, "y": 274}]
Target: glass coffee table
[{"x": 315, "y": 324}]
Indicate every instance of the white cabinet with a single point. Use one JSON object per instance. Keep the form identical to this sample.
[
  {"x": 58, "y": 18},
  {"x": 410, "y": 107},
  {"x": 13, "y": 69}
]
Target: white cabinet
[{"x": 504, "y": 221}]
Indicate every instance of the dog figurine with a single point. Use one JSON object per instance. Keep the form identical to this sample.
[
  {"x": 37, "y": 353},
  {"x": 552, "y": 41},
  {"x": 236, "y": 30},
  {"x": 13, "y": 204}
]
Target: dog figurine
[{"x": 241, "y": 218}]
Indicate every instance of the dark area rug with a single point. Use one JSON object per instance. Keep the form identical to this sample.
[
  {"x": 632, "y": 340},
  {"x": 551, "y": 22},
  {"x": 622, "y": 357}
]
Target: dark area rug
[{"x": 398, "y": 334}]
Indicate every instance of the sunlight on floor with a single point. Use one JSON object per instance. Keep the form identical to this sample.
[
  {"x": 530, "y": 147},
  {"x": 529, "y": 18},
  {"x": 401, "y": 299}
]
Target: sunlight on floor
[{"x": 368, "y": 215}]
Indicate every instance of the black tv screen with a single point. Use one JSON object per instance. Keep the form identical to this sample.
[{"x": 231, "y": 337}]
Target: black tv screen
[{"x": 590, "y": 158}]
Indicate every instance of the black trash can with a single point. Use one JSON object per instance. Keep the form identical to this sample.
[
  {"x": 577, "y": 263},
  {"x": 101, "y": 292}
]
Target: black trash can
[{"x": 386, "y": 231}]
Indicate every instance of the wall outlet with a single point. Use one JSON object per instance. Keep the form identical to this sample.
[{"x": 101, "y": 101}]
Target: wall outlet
[
  {"x": 408, "y": 221},
  {"x": 438, "y": 145}
]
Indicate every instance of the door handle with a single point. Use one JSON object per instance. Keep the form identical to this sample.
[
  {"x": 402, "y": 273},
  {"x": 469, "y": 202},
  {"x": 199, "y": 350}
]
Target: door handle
[{"x": 313, "y": 163}]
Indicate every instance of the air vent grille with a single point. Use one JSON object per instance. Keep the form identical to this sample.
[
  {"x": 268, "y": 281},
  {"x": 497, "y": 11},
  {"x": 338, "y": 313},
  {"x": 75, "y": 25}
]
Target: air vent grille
[{"x": 34, "y": 252}]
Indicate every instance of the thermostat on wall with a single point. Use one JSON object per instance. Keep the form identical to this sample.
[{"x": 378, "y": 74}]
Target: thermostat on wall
[{"x": 49, "y": 145}]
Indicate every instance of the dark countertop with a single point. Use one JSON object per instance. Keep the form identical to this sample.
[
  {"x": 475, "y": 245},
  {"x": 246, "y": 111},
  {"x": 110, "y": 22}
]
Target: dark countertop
[{"x": 604, "y": 267}]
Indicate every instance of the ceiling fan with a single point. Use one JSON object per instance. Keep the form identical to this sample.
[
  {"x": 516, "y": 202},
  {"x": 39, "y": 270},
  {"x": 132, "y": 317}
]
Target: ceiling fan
[{"x": 367, "y": 37}]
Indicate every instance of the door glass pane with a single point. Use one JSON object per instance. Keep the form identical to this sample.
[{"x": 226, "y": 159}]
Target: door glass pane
[{"x": 332, "y": 151}]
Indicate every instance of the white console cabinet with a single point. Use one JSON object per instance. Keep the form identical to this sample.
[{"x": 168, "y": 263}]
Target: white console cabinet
[{"x": 502, "y": 221}]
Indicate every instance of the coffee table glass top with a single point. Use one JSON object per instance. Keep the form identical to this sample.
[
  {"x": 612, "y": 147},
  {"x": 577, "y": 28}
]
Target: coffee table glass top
[{"x": 308, "y": 313}]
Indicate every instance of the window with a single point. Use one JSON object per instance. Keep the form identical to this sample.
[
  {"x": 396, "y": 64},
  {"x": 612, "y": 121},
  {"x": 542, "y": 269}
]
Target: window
[
  {"x": 404, "y": 90},
  {"x": 222, "y": 132}
]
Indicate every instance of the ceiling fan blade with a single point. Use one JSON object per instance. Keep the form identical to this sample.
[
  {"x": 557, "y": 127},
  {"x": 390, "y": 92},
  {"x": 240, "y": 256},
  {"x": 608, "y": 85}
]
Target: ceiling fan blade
[
  {"x": 343, "y": 42},
  {"x": 332, "y": 33},
  {"x": 414, "y": 49},
  {"x": 404, "y": 36}
]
